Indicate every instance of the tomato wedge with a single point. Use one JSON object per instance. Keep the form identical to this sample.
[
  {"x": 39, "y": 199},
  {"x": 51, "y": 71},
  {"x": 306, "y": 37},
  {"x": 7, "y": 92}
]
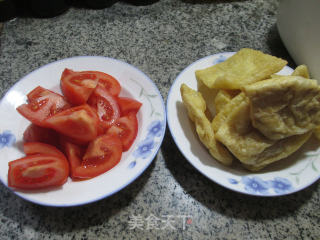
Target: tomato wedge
[
  {"x": 38, "y": 171},
  {"x": 31, "y": 148},
  {"x": 106, "y": 106},
  {"x": 74, "y": 155},
  {"x": 79, "y": 123},
  {"x": 102, "y": 154},
  {"x": 42, "y": 103},
  {"x": 81, "y": 134},
  {"x": 108, "y": 82},
  {"x": 35, "y": 133},
  {"x": 127, "y": 105},
  {"x": 78, "y": 86},
  {"x": 126, "y": 128},
  {"x": 78, "y": 142}
]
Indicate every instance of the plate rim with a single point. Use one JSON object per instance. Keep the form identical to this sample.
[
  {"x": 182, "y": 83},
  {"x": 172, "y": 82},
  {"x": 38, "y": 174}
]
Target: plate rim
[
  {"x": 201, "y": 170},
  {"x": 131, "y": 180}
]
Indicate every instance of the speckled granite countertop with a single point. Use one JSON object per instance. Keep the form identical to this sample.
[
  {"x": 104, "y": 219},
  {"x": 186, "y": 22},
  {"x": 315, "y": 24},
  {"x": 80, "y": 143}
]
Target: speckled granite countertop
[{"x": 161, "y": 39}]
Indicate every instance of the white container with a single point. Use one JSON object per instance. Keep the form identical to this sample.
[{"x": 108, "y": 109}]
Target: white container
[{"x": 298, "y": 23}]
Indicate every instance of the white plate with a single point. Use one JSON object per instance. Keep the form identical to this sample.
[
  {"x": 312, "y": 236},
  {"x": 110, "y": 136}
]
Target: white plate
[
  {"x": 286, "y": 176},
  {"x": 151, "y": 118}
]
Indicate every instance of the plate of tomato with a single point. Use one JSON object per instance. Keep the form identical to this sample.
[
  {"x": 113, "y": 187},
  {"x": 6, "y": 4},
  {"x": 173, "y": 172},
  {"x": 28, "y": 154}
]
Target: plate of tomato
[{"x": 78, "y": 130}]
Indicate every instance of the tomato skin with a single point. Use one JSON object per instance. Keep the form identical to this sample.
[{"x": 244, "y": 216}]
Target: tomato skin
[
  {"x": 31, "y": 148},
  {"x": 74, "y": 155},
  {"x": 108, "y": 82},
  {"x": 74, "y": 141},
  {"x": 78, "y": 86},
  {"x": 102, "y": 154},
  {"x": 79, "y": 123},
  {"x": 127, "y": 105},
  {"x": 106, "y": 106},
  {"x": 92, "y": 129},
  {"x": 37, "y": 171},
  {"x": 42, "y": 103},
  {"x": 126, "y": 128},
  {"x": 35, "y": 133}
]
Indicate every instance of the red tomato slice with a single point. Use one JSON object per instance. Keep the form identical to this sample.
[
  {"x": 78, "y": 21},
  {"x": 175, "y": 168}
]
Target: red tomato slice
[
  {"x": 74, "y": 141},
  {"x": 74, "y": 155},
  {"x": 127, "y": 105},
  {"x": 106, "y": 106},
  {"x": 42, "y": 103},
  {"x": 78, "y": 86},
  {"x": 35, "y": 133},
  {"x": 102, "y": 154},
  {"x": 126, "y": 128},
  {"x": 31, "y": 148},
  {"x": 79, "y": 123},
  {"x": 108, "y": 82},
  {"x": 38, "y": 171}
]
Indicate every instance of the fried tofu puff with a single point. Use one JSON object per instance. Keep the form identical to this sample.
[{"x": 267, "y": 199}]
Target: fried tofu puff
[
  {"x": 259, "y": 116},
  {"x": 316, "y": 132},
  {"x": 209, "y": 95},
  {"x": 245, "y": 67},
  {"x": 196, "y": 107},
  {"x": 224, "y": 112},
  {"x": 223, "y": 97},
  {"x": 285, "y": 106},
  {"x": 279, "y": 150},
  {"x": 248, "y": 145},
  {"x": 301, "y": 70},
  {"x": 238, "y": 135}
]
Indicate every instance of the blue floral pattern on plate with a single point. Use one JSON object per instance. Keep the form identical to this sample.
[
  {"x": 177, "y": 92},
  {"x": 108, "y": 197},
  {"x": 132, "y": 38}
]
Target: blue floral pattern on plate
[
  {"x": 281, "y": 185},
  {"x": 145, "y": 147},
  {"x": 7, "y": 139},
  {"x": 132, "y": 164},
  {"x": 257, "y": 186},
  {"x": 220, "y": 59},
  {"x": 155, "y": 129}
]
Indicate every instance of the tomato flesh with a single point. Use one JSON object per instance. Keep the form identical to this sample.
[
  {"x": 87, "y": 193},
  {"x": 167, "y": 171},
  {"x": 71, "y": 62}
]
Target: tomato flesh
[
  {"x": 74, "y": 155},
  {"x": 31, "y": 148},
  {"x": 106, "y": 106},
  {"x": 102, "y": 154},
  {"x": 126, "y": 128},
  {"x": 35, "y": 133},
  {"x": 79, "y": 123},
  {"x": 37, "y": 171},
  {"x": 78, "y": 86},
  {"x": 78, "y": 142},
  {"x": 127, "y": 105},
  {"x": 108, "y": 82},
  {"x": 91, "y": 124},
  {"x": 42, "y": 103}
]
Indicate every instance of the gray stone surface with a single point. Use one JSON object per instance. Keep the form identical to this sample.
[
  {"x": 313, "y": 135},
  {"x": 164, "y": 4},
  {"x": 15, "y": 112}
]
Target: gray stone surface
[{"x": 161, "y": 39}]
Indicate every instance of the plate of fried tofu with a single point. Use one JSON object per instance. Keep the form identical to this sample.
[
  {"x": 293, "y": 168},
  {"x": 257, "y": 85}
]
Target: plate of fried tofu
[{"x": 248, "y": 122}]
